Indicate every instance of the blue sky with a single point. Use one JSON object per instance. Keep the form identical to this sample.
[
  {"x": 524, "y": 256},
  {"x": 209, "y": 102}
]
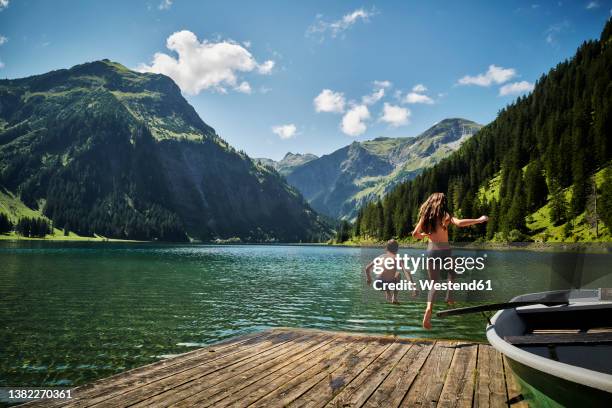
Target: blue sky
[{"x": 279, "y": 76}]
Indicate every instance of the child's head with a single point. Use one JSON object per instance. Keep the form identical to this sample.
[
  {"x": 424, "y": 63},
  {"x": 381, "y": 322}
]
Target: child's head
[
  {"x": 433, "y": 211},
  {"x": 392, "y": 246}
]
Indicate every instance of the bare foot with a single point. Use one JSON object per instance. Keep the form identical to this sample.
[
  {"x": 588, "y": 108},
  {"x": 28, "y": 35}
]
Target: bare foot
[{"x": 427, "y": 319}]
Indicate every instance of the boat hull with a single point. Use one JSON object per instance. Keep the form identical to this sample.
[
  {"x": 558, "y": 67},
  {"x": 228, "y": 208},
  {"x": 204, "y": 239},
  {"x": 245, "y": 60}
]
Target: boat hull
[
  {"x": 554, "y": 372},
  {"x": 541, "y": 389}
]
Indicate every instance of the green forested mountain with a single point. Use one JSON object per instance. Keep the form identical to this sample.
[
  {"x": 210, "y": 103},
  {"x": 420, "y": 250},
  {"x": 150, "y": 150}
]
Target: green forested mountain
[
  {"x": 537, "y": 169},
  {"x": 337, "y": 184},
  {"x": 288, "y": 163},
  {"x": 100, "y": 149}
]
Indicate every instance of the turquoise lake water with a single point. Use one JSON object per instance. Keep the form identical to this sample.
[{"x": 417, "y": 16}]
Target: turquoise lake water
[{"x": 74, "y": 312}]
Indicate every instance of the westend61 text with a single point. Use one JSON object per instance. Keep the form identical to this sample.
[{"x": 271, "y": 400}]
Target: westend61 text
[{"x": 474, "y": 285}]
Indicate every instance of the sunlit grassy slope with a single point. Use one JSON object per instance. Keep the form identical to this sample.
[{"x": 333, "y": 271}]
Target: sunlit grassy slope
[
  {"x": 539, "y": 224},
  {"x": 15, "y": 209}
]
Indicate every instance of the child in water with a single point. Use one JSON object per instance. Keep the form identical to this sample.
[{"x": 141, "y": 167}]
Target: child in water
[
  {"x": 434, "y": 219},
  {"x": 388, "y": 274}
]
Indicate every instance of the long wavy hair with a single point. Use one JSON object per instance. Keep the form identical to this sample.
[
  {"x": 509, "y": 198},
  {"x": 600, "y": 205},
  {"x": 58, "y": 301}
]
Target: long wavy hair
[{"x": 433, "y": 211}]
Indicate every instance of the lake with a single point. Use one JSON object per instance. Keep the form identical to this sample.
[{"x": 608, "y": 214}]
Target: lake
[{"x": 74, "y": 312}]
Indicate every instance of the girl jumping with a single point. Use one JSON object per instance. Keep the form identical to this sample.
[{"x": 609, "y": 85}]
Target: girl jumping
[{"x": 434, "y": 219}]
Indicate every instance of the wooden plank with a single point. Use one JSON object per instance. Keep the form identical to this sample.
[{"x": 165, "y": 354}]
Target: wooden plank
[
  {"x": 359, "y": 390},
  {"x": 308, "y": 368},
  {"x": 123, "y": 380},
  {"x": 328, "y": 387},
  {"x": 490, "y": 390},
  {"x": 235, "y": 372},
  {"x": 458, "y": 388},
  {"x": 428, "y": 385},
  {"x": 285, "y": 392},
  {"x": 304, "y": 366},
  {"x": 392, "y": 390},
  {"x": 259, "y": 376},
  {"x": 142, "y": 388},
  {"x": 513, "y": 388}
]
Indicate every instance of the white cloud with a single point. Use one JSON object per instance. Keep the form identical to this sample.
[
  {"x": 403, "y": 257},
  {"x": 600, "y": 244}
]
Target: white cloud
[
  {"x": 204, "y": 65},
  {"x": 377, "y": 94},
  {"x": 2, "y": 65},
  {"x": 266, "y": 67},
  {"x": 353, "y": 122},
  {"x": 244, "y": 87},
  {"x": 329, "y": 101},
  {"x": 383, "y": 84},
  {"x": 164, "y": 5},
  {"x": 3, "y": 39},
  {"x": 413, "y": 97},
  {"x": 416, "y": 96},
  {"x": 419, "y": 88},
  {"x": 373, "y": 97},
  {"x": 4, "y": 4},
  {"x": 592, "y": 5},
  {"x": 395, "y": 115},
  {"x": 335, "y": 28},
  {"x": 285, "y": 131},
  {"x": 494, "y": 74},
  {"x": 516, "y": 88},
  {"x": 553, "y": 31}
]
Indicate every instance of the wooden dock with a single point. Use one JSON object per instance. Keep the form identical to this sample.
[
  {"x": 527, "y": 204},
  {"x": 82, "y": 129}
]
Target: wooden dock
[{"x": 309, "y": 368}]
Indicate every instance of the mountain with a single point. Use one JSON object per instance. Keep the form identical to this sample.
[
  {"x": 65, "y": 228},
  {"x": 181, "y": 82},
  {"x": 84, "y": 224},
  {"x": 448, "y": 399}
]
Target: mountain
[
  {"x": 541, "y": 170},
  {"x": 288, "y": 163},
  {"x": 337, "y": 184},
  {"x": 101, "y": 149}
]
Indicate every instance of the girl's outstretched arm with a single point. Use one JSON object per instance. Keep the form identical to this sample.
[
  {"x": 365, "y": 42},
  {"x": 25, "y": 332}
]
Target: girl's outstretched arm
[{"x": 466, "y": 222}]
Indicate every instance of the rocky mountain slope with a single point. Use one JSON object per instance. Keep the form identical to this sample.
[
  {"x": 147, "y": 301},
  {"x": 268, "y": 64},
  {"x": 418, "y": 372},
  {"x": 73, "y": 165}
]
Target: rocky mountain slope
[
  {"x": 288, "y": 163},
  {"x": 101, "y": 149},
  {"x": 337, "y": 184}
]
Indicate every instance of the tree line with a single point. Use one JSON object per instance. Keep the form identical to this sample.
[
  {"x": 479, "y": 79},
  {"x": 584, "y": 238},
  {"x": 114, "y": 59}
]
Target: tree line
[
  {"x": 540, "y": 147},
  {"x": 32, "y": 227}
]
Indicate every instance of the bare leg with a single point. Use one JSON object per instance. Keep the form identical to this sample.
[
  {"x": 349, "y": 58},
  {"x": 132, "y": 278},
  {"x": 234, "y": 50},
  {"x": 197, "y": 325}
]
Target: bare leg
[
  {"x": 396, "y": 281},
  {"x": 431, "y": 297},
  {"x": 449, "y": 296},
  {"x": 427, "y": 316},
  {"x": 394, "y": 298}
]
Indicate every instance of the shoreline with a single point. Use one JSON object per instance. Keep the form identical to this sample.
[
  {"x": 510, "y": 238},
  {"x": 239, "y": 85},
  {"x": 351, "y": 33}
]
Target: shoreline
[
  {"x": 588, "y": 247},
  {"x": 61, "y": 238}
]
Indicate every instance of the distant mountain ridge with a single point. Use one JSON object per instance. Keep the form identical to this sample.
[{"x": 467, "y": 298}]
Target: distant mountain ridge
[
  {"x": 288, "y": 163},
  {"x": 101, "y": 149},
  {"x": 339, "y": 183}
]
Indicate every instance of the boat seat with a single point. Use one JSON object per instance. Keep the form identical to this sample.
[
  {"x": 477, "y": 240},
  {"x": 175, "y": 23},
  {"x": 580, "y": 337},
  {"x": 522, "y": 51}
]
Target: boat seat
[
  {"x": 560, "y": 338},
  {"x": 580, "y": 317}
]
